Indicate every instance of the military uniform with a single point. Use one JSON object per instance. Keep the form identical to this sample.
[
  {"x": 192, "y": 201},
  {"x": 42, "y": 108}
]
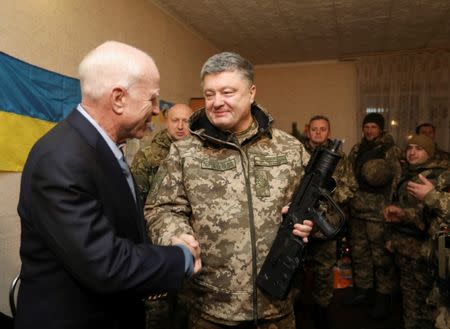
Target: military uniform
[
  {"x": 411, "y": 245},
  {"x": 439, "y": 201},
  {"x": 146, "y": 162},
  {"x": 367, "y": 230},
  {"x": 228, "y": 190},
  {"x": 321, "y": 253}
]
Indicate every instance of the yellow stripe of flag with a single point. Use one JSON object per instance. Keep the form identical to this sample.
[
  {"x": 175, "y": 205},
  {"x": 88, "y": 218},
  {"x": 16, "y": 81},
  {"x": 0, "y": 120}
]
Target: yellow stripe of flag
[{"x": 16, "y": 139}]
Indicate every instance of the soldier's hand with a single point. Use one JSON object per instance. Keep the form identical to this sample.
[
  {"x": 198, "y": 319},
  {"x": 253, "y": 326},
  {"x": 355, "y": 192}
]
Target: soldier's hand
[
  {"x": 193, "y": 245},
  {"x": 301, "y": 230},
  {"x": 394, "y": 214},
  {"x": 418, "y": 190}
]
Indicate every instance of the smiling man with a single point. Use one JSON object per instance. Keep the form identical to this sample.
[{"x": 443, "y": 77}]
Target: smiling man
[{"x": 226, "y": 185}]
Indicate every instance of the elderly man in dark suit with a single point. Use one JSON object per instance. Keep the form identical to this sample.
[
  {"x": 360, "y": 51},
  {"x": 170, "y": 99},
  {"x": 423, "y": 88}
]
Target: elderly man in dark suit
[{"x": 86, "y": 262}]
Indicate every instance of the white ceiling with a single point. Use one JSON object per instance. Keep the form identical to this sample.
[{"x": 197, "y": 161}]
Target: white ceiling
[{"x": 281, "y": 31}]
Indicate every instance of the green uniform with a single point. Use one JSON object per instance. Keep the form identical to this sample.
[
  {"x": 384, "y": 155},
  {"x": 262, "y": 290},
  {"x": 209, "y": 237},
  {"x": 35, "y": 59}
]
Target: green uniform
[
  {"x": 411, "y": 244},
  {"x": 147, "y": 160},
  {"x": 367, "y": 230}
]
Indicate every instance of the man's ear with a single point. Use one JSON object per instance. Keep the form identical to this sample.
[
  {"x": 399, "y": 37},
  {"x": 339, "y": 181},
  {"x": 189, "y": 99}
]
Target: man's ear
[
  {"x": 118, "y": 99},
  {"x": 252, "y": 93}
]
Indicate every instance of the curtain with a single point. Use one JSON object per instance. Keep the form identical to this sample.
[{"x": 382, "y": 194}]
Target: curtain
[{"x": 408, "y": 89}]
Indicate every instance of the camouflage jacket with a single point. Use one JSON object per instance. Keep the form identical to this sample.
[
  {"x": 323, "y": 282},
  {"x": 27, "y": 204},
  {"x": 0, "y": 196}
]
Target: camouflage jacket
[
  {"x": 421, "y": 222},
  {"x": 368, "y": 205},
  {"x": 229, "y": 196},
  {"x": 147, "y": 160},
  {"x": 439, "y": 198}
]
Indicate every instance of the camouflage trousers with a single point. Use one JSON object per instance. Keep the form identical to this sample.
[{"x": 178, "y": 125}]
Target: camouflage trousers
[
  {"x": 416, "y": 283},
  {"x": 196, "y": 321},
  {"x": 321, "y": 258},
  {"x": 370, "y": 256},
  {"x": 170, "y": 313}
]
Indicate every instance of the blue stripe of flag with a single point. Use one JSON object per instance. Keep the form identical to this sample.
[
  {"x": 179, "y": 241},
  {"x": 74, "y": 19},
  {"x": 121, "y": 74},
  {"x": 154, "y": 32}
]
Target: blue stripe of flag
[{"x": 28, "y": 90}]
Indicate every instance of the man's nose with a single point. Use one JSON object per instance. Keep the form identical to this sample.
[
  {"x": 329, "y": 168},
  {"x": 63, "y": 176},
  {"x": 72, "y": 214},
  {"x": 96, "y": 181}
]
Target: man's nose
[{"x": 218, "y": 100}]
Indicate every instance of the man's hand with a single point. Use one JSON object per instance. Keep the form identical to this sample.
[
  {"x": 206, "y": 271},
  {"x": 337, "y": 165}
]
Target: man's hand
[
  {"x": 301, "y": 230},
  {"x": 193, "y": 245},
  {"x": 394, "y": 214},
  {"x": 388, "y": 246},
  {"x": 418, "y": 190}
]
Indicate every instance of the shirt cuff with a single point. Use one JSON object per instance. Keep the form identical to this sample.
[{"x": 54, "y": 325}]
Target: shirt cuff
[{"x": 188, "y": 260}]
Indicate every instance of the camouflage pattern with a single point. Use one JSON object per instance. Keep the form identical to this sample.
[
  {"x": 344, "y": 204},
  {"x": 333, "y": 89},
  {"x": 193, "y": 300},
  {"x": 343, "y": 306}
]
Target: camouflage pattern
[
  {"x": 367, "y": 205},
  {"x": 367, "y": 230},
  {"x": 146, "y": 162},
  {"x": 321, "y": 254},
  {"x": 439, "y": 200},
  {"x": 229, "y": 195},
  {"x": 441, "y": 154},
  {"x": 196, "y": 321},
  {"x": 412, "y": 246}
]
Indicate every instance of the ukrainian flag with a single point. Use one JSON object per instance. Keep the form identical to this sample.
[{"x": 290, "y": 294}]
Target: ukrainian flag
[{"x": 32, "y": 100}]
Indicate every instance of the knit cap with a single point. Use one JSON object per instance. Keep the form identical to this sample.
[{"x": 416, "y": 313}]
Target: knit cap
[
  {"x": 425, "y": 142},
  {"x": 376, "y": 118}
]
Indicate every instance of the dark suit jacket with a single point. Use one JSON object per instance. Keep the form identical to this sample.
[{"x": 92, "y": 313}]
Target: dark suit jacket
[{"x": 86, "y": 262}]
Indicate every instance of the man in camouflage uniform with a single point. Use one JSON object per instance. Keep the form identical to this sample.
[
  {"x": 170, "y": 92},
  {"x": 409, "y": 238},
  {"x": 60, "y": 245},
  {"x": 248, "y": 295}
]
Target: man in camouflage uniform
[
  {"x": 226, "y": 185},
  {"x": 163, "y": 313},
  {"x": 429, "y": 130},
  {"x": 412, "y": 224},
  {"x": 146, "y": 161},
  {"x": 321, "y": 251},
  {"x": 377, "y": 169},
  {"x": 438, "y": 201}
]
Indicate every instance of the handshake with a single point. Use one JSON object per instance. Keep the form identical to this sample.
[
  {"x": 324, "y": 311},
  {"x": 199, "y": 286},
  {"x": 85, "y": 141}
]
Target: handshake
[{"x": 192, "y": 244}]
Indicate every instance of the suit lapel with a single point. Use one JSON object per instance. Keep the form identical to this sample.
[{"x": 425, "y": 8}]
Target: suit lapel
[{"x": 115, "y": 181}]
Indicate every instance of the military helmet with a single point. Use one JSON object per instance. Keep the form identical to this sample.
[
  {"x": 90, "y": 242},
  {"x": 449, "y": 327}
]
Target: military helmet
[{"x": 377, "y": 172}]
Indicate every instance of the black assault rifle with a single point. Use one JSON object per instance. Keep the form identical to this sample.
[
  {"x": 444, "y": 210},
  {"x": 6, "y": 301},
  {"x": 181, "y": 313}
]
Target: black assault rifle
[{"x": 287, "y": 250}]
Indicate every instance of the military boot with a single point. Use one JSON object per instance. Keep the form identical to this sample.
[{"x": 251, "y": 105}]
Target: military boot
[
  {"x": 358, "y": 296},
  {"x": 320, "y": 316},
  {"x": 382, "y": 306}
]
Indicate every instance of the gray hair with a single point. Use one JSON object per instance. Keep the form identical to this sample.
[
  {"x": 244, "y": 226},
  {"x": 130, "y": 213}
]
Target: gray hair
[
  {"x": 227, "y": 62},
  {"x": 110, "y": 64}
]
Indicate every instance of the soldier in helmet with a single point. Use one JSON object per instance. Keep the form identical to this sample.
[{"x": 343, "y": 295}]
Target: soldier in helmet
[
  {"x": 226, "y": 185},
  {"x": 146, "y": 161},
  {"x": 412, "y": 228},
  {"x": 322, "y": 252},
  {"x": 377, "y": 169}
]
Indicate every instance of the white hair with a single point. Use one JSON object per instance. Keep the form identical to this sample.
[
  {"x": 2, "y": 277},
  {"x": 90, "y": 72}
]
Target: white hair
[{"x": 111, "y": 64}]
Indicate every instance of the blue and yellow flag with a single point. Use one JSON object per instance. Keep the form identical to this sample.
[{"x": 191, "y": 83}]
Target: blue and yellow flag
[{"x": 32, "y": 100}]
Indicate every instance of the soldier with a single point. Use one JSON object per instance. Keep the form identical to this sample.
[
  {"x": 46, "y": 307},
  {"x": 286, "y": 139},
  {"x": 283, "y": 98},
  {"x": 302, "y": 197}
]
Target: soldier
[
  {"x": 146, "y": 161},
  {"x": 412, "y": 225},
  {"x": 429, "y": 130},
  {"x": 322, "y": 252},
  {"x": 162, "y": 313},
  {"x": 438, "y": 201},
  {"x": 377, "y": 169},
  {"x": 226, "y": 185}
]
